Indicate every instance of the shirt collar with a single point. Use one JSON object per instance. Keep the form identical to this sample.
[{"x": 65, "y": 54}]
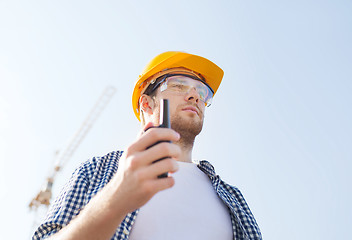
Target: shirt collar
[{"x": 206, "y": 167}]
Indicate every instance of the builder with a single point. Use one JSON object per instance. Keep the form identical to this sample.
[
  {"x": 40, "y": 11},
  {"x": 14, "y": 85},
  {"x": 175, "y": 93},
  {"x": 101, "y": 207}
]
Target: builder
[{"x": 122, "y": 196}]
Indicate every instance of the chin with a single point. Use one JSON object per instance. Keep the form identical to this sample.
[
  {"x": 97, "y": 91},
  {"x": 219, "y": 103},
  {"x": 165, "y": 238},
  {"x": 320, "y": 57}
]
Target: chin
[{"x": 187, "y": 126}]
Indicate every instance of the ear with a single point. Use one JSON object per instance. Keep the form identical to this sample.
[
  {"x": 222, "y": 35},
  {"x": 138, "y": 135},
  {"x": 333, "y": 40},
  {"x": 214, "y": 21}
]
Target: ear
[{"x": 146, "y": 104}]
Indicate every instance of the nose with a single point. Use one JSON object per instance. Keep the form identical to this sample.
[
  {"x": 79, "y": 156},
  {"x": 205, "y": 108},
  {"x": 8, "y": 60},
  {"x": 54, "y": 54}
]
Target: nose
[{"x": 192, "y": 95}]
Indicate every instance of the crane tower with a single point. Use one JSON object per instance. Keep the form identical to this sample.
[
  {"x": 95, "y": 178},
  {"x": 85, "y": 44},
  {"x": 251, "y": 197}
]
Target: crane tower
[{"x": 62, "y": 157}]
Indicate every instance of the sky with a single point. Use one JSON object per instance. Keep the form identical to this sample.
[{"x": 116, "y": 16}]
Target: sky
[{"x": 279, "y": 127}]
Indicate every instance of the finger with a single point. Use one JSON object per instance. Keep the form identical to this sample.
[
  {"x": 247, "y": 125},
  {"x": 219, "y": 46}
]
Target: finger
[
  {"x": 160, "y": 167},
  {"x": 145, "y": 158},
  {"x": 153, "y": 136},
  {"x": 159, "y": 151},
  {"x": 160, "y": 184}
]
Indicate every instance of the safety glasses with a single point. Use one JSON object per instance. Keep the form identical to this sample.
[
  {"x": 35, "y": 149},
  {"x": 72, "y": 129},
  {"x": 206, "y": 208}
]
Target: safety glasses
[{"x": 183, "y": 83}]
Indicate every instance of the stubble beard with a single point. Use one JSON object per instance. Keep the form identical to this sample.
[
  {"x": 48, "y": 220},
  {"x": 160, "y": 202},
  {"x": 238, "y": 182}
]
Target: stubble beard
[{"x": 188, "y": 129}]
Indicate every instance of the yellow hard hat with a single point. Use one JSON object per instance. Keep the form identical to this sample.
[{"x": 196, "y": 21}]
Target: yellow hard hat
[{"x": 209, "y": 70}]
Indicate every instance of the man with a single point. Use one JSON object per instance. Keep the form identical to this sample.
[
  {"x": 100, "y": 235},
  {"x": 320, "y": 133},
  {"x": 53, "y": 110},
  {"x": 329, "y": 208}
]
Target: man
[{"x": 122, "y": 196}]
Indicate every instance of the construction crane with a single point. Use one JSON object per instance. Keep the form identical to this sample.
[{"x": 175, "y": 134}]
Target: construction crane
[{"x": 62, "y": 157}]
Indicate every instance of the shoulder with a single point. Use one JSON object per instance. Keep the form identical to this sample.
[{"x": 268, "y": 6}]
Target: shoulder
[
  {"x": 230, "y": 194},
  {"x": 108, "y": 162},
  {"x": 88, "y": 178},
  {"x": 242, "y": 217},
  {"x": 98, "y": 171}
]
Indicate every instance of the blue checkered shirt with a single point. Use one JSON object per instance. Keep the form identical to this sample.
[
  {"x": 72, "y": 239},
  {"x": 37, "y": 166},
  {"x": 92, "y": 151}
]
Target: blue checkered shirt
[{"x": 92, "y": 175}]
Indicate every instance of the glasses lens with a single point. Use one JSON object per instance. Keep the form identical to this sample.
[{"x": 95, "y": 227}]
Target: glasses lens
[{"x": 184, "y": 84}]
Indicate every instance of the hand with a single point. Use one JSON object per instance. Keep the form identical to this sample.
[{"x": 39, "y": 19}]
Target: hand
[
  {"x": 134, "y": 184},
  {"x": 136, "y": 181}
]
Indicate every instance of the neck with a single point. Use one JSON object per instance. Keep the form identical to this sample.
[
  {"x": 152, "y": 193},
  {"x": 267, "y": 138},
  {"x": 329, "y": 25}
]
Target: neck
[{"x": 186, "y": 148}]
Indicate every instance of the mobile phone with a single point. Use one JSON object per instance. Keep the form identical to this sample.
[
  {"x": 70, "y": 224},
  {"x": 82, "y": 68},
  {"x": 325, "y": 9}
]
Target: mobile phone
[{"x": 164, "y": 123}]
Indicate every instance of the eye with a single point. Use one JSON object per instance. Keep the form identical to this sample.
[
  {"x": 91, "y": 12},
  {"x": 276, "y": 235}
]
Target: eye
[
  {"x": 176, "y": 85},
  {"x": 203, "y": 93}
]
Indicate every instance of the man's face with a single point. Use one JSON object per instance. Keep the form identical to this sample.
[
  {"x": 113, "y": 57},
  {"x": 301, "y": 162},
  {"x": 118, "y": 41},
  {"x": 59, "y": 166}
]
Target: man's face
[{"x": 186, "y": 111}]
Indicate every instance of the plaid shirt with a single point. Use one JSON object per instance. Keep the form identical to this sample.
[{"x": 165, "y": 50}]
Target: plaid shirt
[{"x": 94, "y": 174}]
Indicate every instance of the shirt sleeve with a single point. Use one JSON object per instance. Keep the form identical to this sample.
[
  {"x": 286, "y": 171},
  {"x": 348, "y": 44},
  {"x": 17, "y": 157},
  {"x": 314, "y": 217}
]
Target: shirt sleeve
[{"x": 72, "y": 198}]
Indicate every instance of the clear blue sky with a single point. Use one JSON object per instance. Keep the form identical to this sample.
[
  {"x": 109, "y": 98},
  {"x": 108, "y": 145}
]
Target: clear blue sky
[{"x": 279, "y": 127}]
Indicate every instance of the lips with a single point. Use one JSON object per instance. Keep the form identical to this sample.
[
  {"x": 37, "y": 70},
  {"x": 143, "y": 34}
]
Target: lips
[{"x": 191, "y": 108}]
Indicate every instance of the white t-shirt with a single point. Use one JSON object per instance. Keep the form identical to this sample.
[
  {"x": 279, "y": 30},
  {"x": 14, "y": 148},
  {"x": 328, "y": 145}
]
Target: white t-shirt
[{"x": 189, "y": 210}]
